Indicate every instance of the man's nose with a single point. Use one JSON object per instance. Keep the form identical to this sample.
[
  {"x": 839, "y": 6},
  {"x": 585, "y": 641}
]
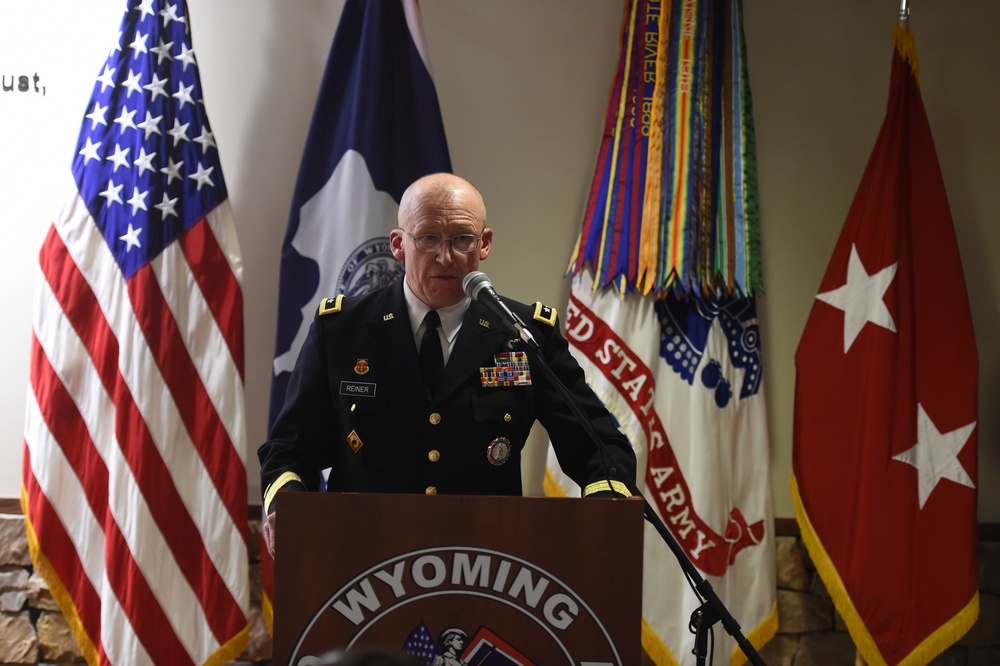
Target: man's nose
[{"x": 444, "y": 253}]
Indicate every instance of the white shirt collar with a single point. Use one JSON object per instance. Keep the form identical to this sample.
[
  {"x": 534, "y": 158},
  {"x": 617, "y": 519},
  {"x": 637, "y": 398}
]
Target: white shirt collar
[{"x": 451, "y": 316}]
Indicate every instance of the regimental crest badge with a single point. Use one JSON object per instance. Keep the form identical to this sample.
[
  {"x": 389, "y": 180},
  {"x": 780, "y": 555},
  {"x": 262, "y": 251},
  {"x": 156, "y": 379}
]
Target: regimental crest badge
[
  {"x": 354, "y": 441},
  {"x": 361, "y": 367}
]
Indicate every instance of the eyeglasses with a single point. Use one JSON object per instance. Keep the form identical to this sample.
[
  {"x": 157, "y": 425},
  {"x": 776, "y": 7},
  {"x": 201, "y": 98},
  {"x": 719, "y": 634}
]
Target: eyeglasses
[{"x": 463, "y": 243}]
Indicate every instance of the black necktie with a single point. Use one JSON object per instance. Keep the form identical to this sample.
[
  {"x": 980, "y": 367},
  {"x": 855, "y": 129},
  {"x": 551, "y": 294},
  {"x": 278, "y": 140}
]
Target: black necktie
[{"x": 431, "y": 359}]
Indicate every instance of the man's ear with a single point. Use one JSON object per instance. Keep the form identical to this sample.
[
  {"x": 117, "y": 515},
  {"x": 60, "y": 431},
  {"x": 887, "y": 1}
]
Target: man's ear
[
  {"x": 396, "y": 244},
  {"x": 486, "y": 243}
]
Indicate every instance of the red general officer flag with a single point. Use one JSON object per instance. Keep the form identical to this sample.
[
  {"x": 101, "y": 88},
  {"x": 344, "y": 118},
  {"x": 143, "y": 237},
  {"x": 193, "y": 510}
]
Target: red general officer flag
[{"x": 885, "y": 434}]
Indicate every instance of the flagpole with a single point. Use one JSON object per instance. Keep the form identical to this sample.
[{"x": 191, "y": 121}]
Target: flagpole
[{"x": 904, "y": 10}]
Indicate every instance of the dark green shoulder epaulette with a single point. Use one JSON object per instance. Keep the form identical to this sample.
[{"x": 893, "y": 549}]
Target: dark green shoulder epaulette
[
  {"x": 545, "y": 314},
  {"x": 331, "y": 305}
]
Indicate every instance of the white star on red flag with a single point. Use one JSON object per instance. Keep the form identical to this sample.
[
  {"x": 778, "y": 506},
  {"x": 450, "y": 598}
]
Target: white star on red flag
[
  {"x": 935, "y": 455},
  {"x": 861, "y": 298}
]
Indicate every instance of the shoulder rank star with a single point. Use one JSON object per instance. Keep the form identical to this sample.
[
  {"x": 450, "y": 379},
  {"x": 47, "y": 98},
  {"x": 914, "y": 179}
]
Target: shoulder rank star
[
  {"x": 331, "y": 305},
  {"x": 545, "y": 314}
]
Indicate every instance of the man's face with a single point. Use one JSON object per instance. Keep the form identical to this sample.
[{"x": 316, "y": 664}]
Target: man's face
[{"x": 436, "y": 277}]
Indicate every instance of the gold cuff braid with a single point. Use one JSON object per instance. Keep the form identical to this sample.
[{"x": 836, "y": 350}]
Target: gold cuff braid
[
  {"x": 599, "y": 486},
  {"x": 280, "y": 482}
]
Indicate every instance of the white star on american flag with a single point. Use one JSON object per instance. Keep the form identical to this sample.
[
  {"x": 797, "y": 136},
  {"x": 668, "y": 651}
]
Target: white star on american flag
[
  {"x": 132, "y": 83},
  {"x": 138, "y": 45},
  {"x": 97, "y": 116},
  {"x": 131, "y": 237},
  {"x": 113, "y": 193},
  {"x": 106, "y": 78},
  {"x": 89, "y": 151},
  {"x": 119, "y": 158},
  {"x": 202, "y": 176}
]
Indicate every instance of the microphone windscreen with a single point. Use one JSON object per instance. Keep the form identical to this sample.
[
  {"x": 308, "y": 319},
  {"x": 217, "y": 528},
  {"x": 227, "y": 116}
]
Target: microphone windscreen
[{"x": 474, "y": 282}]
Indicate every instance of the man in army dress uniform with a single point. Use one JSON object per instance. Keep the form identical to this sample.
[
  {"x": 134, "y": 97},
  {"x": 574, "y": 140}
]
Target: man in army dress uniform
[{"x": 359, "y": 403}]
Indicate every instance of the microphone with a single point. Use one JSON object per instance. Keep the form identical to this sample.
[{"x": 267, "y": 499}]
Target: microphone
[{"x": 478, "y": 287}]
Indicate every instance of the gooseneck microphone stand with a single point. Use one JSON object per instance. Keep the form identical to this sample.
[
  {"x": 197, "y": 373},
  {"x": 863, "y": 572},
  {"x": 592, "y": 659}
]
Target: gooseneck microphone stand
[{"x": 711, "y": 610}]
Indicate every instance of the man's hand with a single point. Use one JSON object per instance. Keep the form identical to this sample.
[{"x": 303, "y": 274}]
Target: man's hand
[{"x": 268, "y": 530}]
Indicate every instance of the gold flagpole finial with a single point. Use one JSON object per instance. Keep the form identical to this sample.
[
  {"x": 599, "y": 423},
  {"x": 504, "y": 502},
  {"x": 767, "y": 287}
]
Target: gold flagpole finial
[{"x": 904, "y": 10}]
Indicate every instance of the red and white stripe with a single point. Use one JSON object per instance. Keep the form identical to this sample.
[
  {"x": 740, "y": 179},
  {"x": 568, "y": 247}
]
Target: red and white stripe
[{"x": 134, "y": 470}]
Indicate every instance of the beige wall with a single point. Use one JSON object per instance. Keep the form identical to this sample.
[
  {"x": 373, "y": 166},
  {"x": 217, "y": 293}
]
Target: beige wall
[{"x": 523, "y": 85}]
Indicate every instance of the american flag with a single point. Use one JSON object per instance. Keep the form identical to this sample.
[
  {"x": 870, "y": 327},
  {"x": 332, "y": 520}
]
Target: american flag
[
  {"x": 134, "y": 482},
  {"x": 421, "y": 644}
]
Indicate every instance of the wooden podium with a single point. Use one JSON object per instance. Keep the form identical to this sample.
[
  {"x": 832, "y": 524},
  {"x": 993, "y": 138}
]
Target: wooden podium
[{"x": 525, "y": 581}]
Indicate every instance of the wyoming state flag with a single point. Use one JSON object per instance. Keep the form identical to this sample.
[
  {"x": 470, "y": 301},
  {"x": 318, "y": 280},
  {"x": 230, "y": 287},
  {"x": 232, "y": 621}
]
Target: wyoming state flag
[
  {"x": 885, "y": 431},
  {"x": 376, "y": 128}
]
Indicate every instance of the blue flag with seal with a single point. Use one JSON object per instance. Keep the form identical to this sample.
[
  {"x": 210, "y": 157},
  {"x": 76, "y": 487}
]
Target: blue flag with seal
[{"x": 376, "y": 128}]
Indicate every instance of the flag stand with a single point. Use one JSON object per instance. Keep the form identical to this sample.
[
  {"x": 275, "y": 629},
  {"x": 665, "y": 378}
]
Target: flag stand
[{"x": 712, "y": 609}]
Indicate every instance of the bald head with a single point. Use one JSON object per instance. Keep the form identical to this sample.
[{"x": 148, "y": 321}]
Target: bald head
[
  {"x": 440, "y": 207},
  {"x": 441, "y": 190}
]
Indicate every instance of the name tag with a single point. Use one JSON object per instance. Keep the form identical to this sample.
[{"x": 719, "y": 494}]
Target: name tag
[{"x": 362, "y": 389}]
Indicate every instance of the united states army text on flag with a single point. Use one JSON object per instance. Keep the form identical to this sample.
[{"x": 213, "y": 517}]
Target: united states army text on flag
[
  {"x": 884, "y": 457},
  {"x": 134, "y": 482}
]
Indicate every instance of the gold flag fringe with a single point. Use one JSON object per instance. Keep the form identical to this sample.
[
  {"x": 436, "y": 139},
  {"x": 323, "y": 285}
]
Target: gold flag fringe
[
  {"x": 937, "y": 642},
  {"x": 902, "y": 39}
]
